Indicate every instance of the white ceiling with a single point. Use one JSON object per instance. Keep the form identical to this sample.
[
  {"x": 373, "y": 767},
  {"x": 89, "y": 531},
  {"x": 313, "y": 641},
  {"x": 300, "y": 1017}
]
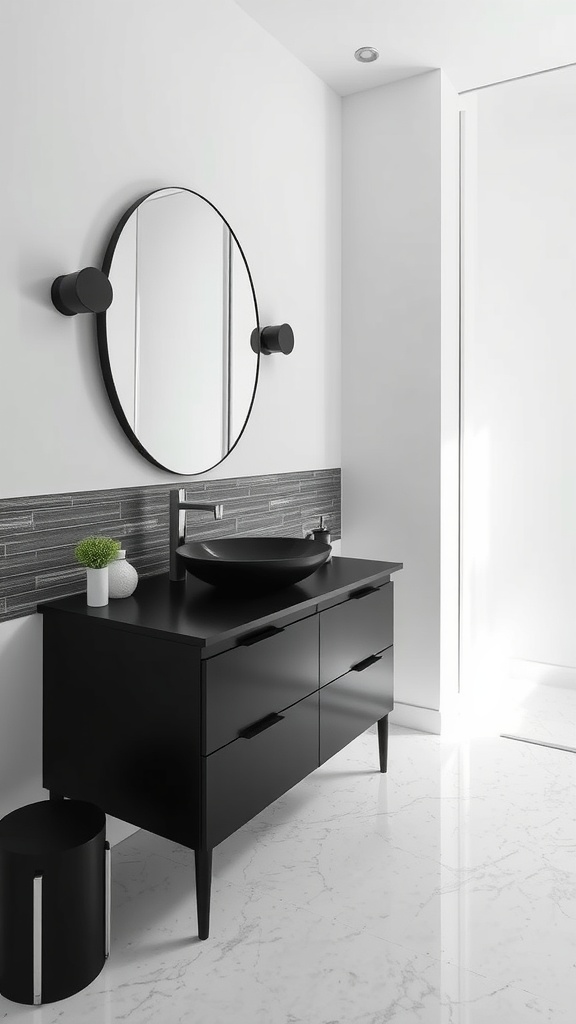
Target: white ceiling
[{"x": 475, "y": 42}]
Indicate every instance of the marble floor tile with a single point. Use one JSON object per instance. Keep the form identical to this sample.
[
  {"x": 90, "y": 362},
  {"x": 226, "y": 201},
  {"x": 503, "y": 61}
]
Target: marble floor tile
[
  {"x": 441, "y": 893},
  {"x": 268, "y": 963},
  {"x": 541, "y": 703}
]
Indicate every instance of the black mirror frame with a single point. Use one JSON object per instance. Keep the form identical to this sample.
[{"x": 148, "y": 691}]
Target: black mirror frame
[{"x": 102, "y": 336}]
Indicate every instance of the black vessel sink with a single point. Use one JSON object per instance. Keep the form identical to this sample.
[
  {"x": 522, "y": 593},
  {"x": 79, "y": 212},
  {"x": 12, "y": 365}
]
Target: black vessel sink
[{"x": 254, "y": 564}]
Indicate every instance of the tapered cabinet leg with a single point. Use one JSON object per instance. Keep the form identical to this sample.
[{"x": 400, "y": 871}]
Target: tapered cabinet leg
[
  {"x": 203, "y": 861},
  {"x": 383, "y": 743}
]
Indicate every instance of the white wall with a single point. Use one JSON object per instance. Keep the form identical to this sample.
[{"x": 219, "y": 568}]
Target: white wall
[
  {"x": 400, "y": 363},
  {"x": 102, "y": 102},
  {"x": 519, "y": 501}
]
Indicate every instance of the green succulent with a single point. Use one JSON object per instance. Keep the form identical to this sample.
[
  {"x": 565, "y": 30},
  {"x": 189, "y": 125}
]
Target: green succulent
[{"x": 96, "y": 552}]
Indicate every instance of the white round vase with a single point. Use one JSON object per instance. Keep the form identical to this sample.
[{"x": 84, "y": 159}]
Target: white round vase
[
  {"x": 97, "y": 587},
  {"x": 122, "y": 577}
]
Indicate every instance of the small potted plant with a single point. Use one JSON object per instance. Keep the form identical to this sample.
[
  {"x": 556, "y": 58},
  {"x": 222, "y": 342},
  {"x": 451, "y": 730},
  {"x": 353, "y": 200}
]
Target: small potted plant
[{"x": 96, "y": 553}]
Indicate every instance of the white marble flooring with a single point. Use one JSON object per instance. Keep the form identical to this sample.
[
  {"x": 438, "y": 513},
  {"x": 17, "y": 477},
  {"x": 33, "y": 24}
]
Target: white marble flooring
[
  {"x": 441, "y": 893},
  {"x": 541, "y": 703}
]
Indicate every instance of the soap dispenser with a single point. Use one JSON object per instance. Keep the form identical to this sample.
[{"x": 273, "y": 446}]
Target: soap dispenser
[{"x": 321, "y": 533}]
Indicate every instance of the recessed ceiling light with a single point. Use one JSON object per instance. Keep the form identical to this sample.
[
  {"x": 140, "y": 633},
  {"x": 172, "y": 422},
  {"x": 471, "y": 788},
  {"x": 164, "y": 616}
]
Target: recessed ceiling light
[{"x": 366, "y": 54}]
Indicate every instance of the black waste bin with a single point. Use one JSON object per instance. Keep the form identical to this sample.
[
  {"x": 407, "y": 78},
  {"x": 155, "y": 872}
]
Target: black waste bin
[{"x": 54, "y": 899}]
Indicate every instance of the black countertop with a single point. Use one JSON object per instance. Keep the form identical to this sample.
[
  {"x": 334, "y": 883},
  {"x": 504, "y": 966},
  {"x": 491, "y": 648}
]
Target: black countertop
[{"x": 195, "y": 613}]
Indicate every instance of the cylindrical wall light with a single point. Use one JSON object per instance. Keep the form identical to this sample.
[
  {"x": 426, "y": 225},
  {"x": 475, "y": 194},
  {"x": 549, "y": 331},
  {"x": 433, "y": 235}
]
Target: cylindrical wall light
[
  {"x": 273, "y": 339},
  {"x": 86, "y": 291}
]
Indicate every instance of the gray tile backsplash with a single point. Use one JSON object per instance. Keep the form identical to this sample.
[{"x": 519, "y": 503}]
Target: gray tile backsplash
[{"x": 38, "y": 534}]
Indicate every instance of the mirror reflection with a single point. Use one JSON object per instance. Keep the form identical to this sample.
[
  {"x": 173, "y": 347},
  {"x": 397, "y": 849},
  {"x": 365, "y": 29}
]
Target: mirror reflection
[{"x": 178, "y": 331}]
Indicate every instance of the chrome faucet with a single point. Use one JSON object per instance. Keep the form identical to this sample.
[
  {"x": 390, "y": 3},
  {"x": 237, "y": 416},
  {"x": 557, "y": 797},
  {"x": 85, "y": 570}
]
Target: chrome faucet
[{"x": 178, "y": 508}]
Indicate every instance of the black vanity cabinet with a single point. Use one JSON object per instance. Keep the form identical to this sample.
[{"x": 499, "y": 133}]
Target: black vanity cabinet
[
  {"x": 186, "y": 712},
  {"x": 356, "y": 668},
  {"x": 261, "y": 723}
]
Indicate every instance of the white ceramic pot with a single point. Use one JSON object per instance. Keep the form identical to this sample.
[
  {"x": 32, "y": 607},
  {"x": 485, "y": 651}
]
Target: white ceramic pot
[
  {"x": 122, "y": 577},
  {"x": 97, "y": 587}
]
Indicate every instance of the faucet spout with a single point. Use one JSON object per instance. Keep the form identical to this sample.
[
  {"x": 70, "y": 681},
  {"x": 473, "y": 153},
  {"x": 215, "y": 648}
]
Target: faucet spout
[
  {"x": 218, "y": 510},
  {"x": 178, "y": 508}
]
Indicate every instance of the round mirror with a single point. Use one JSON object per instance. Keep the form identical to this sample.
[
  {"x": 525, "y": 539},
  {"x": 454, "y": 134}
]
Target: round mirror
[{"x": 175, "y": 343}]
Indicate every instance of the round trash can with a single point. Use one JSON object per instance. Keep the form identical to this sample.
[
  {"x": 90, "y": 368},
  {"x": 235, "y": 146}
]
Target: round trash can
[{"x": 54, "y": 899}]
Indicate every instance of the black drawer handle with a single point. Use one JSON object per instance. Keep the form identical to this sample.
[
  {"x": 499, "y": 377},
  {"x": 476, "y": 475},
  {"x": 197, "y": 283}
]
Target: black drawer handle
[
  {"x": 258, "y": 727},
  {"x": 255, "y": 638},
  {"x": 366, "y": 663},
  {"x": 365, "y": 592}
]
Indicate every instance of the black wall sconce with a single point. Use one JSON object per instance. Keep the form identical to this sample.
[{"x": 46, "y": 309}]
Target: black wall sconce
[
  {"x": 273, "y": 339},
  {"x": 86, "y": 291}
]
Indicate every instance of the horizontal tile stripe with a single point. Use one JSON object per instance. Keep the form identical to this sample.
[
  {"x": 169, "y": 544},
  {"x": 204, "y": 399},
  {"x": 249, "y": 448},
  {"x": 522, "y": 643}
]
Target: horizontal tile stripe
[
  {"x": 19, "y": 585},
  {"x": 38, "y": 534},
  {"x": 38, "y": 501},
  {"x": 45, "y": 518},
  {"x": 11, "y": 524}
]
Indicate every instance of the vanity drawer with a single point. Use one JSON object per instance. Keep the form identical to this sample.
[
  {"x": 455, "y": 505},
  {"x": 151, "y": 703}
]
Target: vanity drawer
[
  {"x": 354, "y": 702},
  {"x": 247, "y": 775},
  {"x": 269, "y": 670},
  {"x": 355, "y": 629}
]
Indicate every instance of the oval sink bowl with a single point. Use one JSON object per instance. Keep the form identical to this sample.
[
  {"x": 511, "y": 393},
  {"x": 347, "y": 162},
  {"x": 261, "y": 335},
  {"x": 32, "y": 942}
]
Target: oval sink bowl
[{"x": 253, "y": 563}]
